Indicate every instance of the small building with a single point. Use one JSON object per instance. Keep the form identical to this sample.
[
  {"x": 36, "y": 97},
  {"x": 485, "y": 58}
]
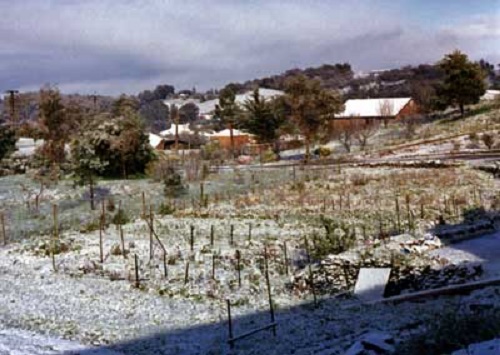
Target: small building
[
  {"x": 224, "y": 138},
  {"x": 156, "y": 142},
  {"x": 381, "y": 109}
]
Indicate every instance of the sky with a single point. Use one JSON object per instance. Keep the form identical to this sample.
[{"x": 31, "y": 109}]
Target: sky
[{"x": 126, "y": 46}]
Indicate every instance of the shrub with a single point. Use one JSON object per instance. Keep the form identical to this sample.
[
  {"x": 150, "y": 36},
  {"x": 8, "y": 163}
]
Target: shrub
[
  {"x": 339, "y": 237},
  {"x": 323, "y": 151},
  {"x": 166, "y": 209},
  {"x": 173, "y": 186},
  {"x": 488, "y": 140},
  {"x": 120, "y": 218}
]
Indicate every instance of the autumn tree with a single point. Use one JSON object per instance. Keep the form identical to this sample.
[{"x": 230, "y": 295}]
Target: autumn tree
[
  {"x": 311, "y": 107},
  {"x": 463, "y": 82},
  {"x": 228, "y": 111}
]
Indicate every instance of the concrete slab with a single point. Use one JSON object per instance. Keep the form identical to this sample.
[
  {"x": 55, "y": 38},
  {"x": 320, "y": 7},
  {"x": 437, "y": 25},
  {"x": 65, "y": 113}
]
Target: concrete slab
[{"x": 371, "y": 282}]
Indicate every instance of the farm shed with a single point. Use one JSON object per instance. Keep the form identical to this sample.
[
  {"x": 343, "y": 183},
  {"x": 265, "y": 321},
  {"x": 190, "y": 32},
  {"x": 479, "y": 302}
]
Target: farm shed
[
  {"x": 366, "y": 110},
  {"x": 224, "y": 138}
]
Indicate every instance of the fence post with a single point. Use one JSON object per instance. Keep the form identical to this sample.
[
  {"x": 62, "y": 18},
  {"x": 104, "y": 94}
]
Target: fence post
[
  {"x": 136, "y": 267},
  {"x": 286, "y": 258},
  {"x": 54, "y": 237},
  {"x": 231, "y": 241},
  {"x": 238, "y": 265},
  {"x": 4, "y": 234},
  {"x": 271, "y": 306},
  {"x": 151, "y": 230},
  {"x": 230, "y": 325},
  {"x": 191, "y": 238},
  {"x": 212, "y": 235},
  {"x": 123, "y": 241},
  {"x": 310, "y": 271},
  {"x": 101, "y": 252}
]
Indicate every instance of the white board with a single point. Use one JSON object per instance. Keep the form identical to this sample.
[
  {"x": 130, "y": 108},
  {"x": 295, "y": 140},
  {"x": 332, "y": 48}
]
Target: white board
[{"x": 371, "y": 282}]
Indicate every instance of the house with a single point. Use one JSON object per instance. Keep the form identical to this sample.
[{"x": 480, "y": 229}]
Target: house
[
  {"x": 156, "y": 142},
  {"x": 370, "y": 110},
  {"x": 490, "y": 95},
  {"x": 224, "y": 138}
]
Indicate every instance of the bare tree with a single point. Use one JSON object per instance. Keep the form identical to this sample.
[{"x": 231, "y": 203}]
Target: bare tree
[
  {"x": 365, "y": 131},
  {"x": 385, "y": 110}
]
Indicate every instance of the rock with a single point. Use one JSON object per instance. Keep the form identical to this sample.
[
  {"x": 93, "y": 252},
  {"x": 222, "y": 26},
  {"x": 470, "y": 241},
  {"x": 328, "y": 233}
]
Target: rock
[
  {"x": 372, "y": 343},
  {"x": 491, "y": 347}
]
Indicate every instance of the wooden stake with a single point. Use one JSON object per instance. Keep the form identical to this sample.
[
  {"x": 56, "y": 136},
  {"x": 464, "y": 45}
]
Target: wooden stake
[
  {"x": 151, "y": 231},
  {"x": 101, "y": 252},
  {"x": 231, "y": 241},
  {"x": 238, "y": 266},
  {"x": 397, "y": 213},
  {"x": 286, "y": 258},
  {"x": 271, "y": 306},
  {"x": 165, "y": 270},
  {"x": 186, "y": 273},
  {"x": 310, "y": 271},
  {"x": 136, "y": 267},
  {"x": 4, "y": 234},
  {"x": 191, "y": 239},
  {"x": 213, "y": 266},
  {"x": 212, "y": 235},
  {"x": 230, "y": 324},
  {"x": 122, "y": 239},
  {"x": 143, "y": 205},
  {"x": 249, "y": 231},
  {"x": 54, "y": 237}
]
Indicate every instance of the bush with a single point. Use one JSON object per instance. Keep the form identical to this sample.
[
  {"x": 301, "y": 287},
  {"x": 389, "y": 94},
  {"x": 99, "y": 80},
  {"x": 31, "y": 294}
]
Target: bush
[
  {"x": 488, "y": 140},
  {"x": 339, "y": 237},
  {"x": 120, "y": 218},
  {"x": 268, "y": 156},
  {"x": 173, "y": 184},
  {"x": 166, "y": 209},
  {"x": 323, "y": 152}
]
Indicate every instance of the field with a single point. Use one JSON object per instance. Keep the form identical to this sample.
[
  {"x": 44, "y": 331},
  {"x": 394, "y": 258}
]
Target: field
[{"x": 144, "y": 272}]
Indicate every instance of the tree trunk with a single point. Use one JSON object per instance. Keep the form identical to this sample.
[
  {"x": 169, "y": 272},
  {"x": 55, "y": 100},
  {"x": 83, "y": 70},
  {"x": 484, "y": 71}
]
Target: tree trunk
[
  {"x": 91, "y": 189},
  {"x": 462, "y": 109}
]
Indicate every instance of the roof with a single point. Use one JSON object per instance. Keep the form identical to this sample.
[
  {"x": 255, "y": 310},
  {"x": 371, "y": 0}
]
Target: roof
[
  {"x": 183, "y": 128},
  {"x": 227, "y": 133},
  {"x": 209, "y": 106},
  {"x": 154, "y": 140},
  {"x": 374, "y": 107},
  {"x": 490, "y": 95}
]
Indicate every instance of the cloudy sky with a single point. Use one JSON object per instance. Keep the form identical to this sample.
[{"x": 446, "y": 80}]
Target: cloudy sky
[{"x": 115, "y": 46}]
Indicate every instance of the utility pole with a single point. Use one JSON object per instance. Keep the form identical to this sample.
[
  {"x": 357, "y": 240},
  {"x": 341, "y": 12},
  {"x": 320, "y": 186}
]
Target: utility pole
[{"x": 12, "y": 104}]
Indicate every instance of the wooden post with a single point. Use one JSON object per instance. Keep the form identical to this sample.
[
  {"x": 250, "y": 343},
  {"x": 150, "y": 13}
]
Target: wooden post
[
  {"x": 54, "y": 237},
  {"x": 397, "y": 213},
  {"x": 186, "y": 273},
  {"x": 213, "y": 266},
  {"x": 238, "y": 266},
  {"x": 151, "y": 230},
  {"x": 122, "y": 239},
  {"x": 230, "y": 324},
  {"x": 422, "y": 211},
  {"x": 143, "y": 205},
  {"x": 136, "y": 267},
  {"x": 286, "y": 258},
  {"x": 408, "y": 210},
  {"x": 310, "y": 271},
  {"x": 201, "y": 193},
  {"x": 165, "y": 269},
  {"x": 268, "y": 283},
  {"x": 103, "y": 214},
  {"x": 231, "y": 240},
  {"x": 249, "y": 231},
  {"x": 212, "y": 235},
  {"x": 4, "y": 234},
  {"x": 101, "y": 252},
  {"x": 191, "y": 239}
]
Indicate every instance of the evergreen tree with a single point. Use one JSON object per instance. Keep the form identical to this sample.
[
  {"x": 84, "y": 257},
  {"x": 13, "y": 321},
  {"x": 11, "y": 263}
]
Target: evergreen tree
[{"x": 464, "y": 82}]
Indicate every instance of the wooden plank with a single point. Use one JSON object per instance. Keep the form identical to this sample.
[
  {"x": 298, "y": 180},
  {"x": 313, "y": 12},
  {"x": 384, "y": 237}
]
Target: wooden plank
[
  {"x": 448, "y": 290},
  {"x": 251, "y": 332}
]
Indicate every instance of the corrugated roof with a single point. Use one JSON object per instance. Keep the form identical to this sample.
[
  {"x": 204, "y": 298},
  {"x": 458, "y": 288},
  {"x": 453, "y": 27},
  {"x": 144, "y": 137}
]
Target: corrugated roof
[
  {"x": 183, "y": 128},
  {"x": 374, "y": 107},
  {"x": 154, "y": 140}
]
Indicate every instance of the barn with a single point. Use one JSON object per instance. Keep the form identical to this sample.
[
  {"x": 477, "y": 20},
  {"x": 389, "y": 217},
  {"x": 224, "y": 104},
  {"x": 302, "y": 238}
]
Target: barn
[{"x": 370, "y": 110}]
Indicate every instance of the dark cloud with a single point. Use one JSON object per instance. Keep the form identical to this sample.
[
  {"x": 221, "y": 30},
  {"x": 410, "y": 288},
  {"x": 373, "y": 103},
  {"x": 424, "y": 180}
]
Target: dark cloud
[{"x": 126, "y": 46}]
